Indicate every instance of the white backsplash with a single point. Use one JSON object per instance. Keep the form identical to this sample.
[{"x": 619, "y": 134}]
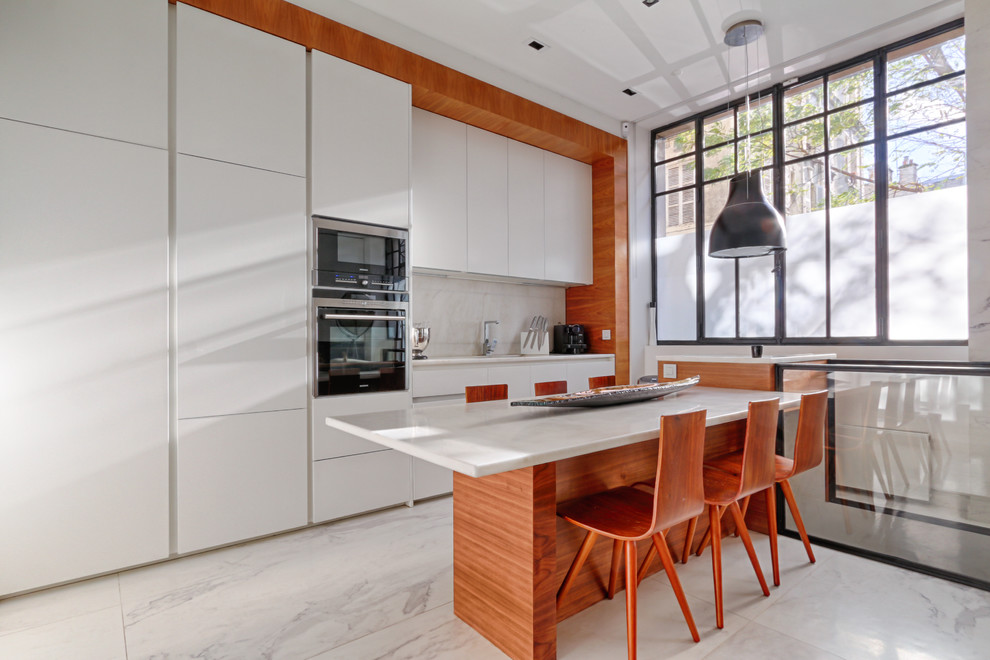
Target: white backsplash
[{"x": 455, "y": 309}]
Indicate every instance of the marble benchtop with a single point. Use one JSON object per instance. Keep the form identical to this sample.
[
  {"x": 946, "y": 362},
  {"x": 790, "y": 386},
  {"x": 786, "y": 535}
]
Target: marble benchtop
[
  {"x": 507, "y": 359},
  {"x": 480, "y": 439}
]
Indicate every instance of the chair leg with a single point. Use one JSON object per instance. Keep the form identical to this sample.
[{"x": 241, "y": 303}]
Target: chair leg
[
  {"x": 579, "y": 559},
  {"x": 613, "y": 575},
  {"x": 689, "y": 539},
  {"x": 715, "y": 525},
  {"x": 771, "y": 498},
  {"x": 748, "y": 542},
  {"x": 785, "y": 486},
  {"x": 645, "y": 566},
  {"x": 744, "y": 507},
  {"x": 660, "y": 545},
  {"x": 631, "y": 598},
  {"x": 708, "y": 536}
]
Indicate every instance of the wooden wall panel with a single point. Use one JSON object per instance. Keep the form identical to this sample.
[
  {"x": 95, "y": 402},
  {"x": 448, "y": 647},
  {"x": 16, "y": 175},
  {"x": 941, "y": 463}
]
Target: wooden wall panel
[
  {"x": 755, "y": 376},
  {"x": 439, "y": 89}
]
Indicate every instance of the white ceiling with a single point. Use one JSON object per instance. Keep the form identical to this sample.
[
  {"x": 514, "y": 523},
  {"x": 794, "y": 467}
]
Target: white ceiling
[{"x": 672, "y": 53}]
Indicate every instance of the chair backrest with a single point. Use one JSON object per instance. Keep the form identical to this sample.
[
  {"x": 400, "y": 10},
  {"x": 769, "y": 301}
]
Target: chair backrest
[
  {"x": 809, "y": 442},
  {"x": 550, "y": 387},
  {"x": 479, "y": 393},
  {"x": 680, "y": 486},
  {"x": 759, "y": 447},
  {"x": 601, "y": 381}
]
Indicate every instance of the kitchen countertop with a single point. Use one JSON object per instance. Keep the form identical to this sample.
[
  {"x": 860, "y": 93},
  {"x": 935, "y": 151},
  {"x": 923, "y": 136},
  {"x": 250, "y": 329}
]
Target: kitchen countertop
[
  {"x": 766, "y": 359},
  {"x": 481, "y": 439},
  {"x": 504, "y": 359}
]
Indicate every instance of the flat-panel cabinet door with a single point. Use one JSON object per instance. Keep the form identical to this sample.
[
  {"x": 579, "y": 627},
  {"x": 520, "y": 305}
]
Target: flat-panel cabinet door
[
  {"x": 487, "y": 202},
  {"x": 578, "y": 372},
  {"x": 83, "y": 355},
  {"x": 240, "y": 94},
  {"x": 332, "y": 443},
  {"x": 240, "y": 476},
  {"x": 361, "y": 137},
  {"x": 430, "y": 480},
  {"x": 568, "y": 220},
  {"x": 526, "y": 220},
  {"x": 439, "y": 229},
  {"x": 99, "y": 68},
  {"x": 516, "y": 376},
  {"x": 242, "y": 287},
  {"x": 355, "y": 484}
]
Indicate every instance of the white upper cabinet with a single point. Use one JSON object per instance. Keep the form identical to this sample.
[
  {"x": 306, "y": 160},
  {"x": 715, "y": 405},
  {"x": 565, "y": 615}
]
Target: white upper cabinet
[
  {"x": 567, "y": 196},
  {"x": 487, "y": 202},
  {"x": 439, "y": 228},
  {"x": 99, "y": 67},
  {"x": 83, "y": 355},
  {"x": 242, "y": 289},
  {"x": 526, "y": 233},
  {"x": 240, "y": 94},
  {"x": 360, "y": 151}
]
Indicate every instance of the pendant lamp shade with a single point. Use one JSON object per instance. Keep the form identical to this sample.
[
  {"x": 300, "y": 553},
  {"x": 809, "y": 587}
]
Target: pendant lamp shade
[{"x": 748, "y": 226}]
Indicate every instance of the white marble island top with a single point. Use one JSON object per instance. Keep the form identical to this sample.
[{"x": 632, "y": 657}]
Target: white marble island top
[{"x": 480, "y": 439}]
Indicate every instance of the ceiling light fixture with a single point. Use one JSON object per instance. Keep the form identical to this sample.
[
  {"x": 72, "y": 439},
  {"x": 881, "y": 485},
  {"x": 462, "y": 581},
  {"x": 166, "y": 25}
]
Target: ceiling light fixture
[
  {"x": 536, "y": 45},
  {"x": 629, "y": 91},
  {"x": 748, "y": 226},
  {"x": 650, "y": 3}
]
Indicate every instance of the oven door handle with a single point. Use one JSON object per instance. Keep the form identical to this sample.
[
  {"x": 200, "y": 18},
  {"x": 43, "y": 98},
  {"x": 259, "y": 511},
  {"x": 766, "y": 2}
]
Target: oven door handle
[{"x": 361, "y": 317}]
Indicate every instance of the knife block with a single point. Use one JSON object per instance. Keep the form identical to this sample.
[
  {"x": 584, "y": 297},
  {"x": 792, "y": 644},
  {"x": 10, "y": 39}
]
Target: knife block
[{"x": 534, "y": 349}]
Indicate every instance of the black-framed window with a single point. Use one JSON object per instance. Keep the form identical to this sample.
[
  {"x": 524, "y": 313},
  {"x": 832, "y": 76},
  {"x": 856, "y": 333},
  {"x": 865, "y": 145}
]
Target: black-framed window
[{"x": 867, "y": 161}]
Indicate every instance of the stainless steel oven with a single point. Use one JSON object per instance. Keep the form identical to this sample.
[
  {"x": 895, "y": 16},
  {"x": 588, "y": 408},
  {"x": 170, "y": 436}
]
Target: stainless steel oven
[{"x": 358, "y": 256}]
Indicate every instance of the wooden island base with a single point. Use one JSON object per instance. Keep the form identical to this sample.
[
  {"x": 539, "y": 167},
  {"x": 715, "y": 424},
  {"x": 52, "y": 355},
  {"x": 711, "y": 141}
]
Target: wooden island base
[{"x": 511, "y": 552}]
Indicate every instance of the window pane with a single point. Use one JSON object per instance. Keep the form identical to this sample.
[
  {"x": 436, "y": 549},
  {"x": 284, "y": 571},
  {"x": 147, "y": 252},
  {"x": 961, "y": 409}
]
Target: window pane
[
  {"x": 720, "y": 274},
  {"x": 852, "y": 181},
  {"x": 803, "y": 101},
  {"x": 852, "y": 242},
  {"x": 850, "y": 126},
  {"x": 804, "y": 139},
  {"x": 675, "y": 212},
  {"x": 757, "y": 306},
  {"x": 929, "y": 160},
  {"x": 927, "y": 59},
  {"x": 931, "y": 104},
  {"x": 762, "y": 116},
  {"x": 715, "y": 196},
  {"x": 804, "y": 187},
  {"x": 677, "y": 317},
  {"x": 850, "y": 86},
  {"x": 720, "y": 161},
  {"x": 674, "y": 142},
  {"x": 720, "y": 128},
  {"x": 804, "y": 192},
  {"x": 675, "y": 174},
  {"x": 755, "y": 152}
]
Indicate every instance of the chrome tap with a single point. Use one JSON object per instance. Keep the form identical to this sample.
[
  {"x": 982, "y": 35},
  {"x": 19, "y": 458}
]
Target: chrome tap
[{"x": 489, "y": 346}]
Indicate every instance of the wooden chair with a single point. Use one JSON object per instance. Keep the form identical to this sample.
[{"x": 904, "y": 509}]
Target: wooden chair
[
  {"x": 479, "y": 393},
  {"x": 600, "y": 381},
  {"x": 723, "y": 490},
  {"x": 809, "y": 442},
  {"x": 628, "y": 515},
  {"x": 550, "y": 387}
]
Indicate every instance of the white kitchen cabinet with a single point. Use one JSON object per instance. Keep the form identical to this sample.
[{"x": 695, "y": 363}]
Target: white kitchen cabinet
[
  {"x": 439, "y": 182},
  {"x": 568, "y": 226},
  {"x": 526, "y": 236},
  {"x": 430, "y": 480},
  {"x": 333, "y": 443},
  {"x": 442, "y": 381},
  {"x": 241, "y": 289},
  {"x": 448, "y": 380},
  {"x": 240, "y": 94},
  {"x": 578, "y": 373},
  {"x": 517, "y": 377},
  {"x": 548, "y": 372},
  {"x": 239, "y": 476},
  {"x": 487, "y": 202},
  {"x": 84, "y": 354},
  {"x": 361, "y": 140},
  {"x": 99, "y": 67},
  {"x": 364, "y": 482}
]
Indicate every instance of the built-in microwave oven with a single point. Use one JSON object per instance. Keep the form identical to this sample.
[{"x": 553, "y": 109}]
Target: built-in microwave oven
[{"x": 353, "y": 255}]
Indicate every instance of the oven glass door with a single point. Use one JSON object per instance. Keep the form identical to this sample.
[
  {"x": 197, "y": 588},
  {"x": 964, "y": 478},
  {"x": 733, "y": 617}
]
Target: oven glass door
[
  {"x": 359, "y": 350},
  {"x": 359, "y": 256}
]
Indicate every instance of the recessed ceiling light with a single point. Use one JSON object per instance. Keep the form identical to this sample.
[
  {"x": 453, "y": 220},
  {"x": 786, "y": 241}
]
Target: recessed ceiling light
[
  {"x": 630, "y": 91},
  {"x": 650, "y": 3},
  {"x": 536, "y": 45}
]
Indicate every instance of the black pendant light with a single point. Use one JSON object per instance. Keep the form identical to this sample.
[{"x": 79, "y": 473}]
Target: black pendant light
[{"x": 748, "y": 226}]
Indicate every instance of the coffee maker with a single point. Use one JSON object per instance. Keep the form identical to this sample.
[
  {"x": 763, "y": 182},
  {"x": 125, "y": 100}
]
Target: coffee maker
[{"x": 569, "y": 338}]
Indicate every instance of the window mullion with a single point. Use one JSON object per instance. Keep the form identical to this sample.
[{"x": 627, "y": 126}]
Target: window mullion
[{"x": 880, "y": 213}]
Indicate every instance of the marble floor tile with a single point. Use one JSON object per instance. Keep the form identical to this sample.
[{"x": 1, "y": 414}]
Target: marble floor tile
[
  {"x": 58, "y": 603},
  {"x": 857, "y": 609},
  {"x": 96, "y": 635},
  {"x": 754, "y": 642}
]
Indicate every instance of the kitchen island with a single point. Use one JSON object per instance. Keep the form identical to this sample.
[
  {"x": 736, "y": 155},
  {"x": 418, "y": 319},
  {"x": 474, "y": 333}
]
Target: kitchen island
[{"x": 512, "y": 465}]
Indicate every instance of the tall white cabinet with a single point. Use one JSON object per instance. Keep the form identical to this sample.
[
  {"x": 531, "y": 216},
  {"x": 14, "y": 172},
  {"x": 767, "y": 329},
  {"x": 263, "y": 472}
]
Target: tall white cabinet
[
  {"x": 241, "y": 282},
  {"x": 83, "y": 289},
  {"x": 567, "y": 196}
]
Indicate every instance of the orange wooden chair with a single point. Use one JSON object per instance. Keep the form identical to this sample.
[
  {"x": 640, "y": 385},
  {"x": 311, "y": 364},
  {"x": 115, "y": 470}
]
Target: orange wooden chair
[
  {"x": 550, "y": 387},
  {"x": 601, "y": 381},
  {"x": 628, "y": 515},
  {"x": 479, "y": 393},
  {"x": 723, "y": 490},
  {"x": 809, "y": 443}
]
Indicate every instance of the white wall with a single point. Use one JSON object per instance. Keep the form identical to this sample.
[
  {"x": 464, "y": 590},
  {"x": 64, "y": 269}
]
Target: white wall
[{"x": 978, "y": 170}]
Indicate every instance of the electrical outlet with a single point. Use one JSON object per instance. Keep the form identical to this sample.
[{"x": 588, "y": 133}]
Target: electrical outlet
[
  {"x": 606, "y": 335},
  {"x": 670, "y": 371}
]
